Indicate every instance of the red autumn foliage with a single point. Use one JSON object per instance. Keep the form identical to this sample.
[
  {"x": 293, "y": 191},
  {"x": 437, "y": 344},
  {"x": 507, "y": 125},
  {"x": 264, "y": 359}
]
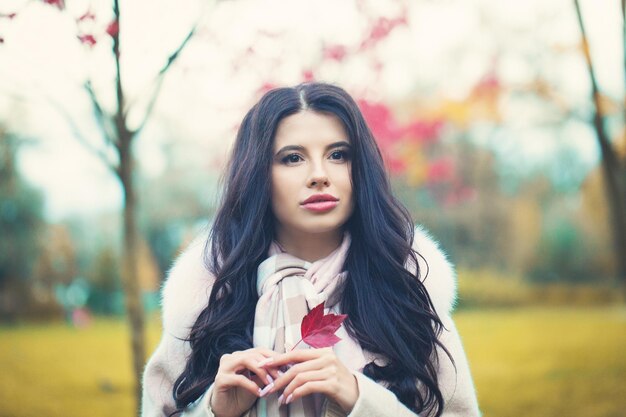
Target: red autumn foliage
[
  {"x": 423, "y": 131},
  {"x": 381, "y": 122},
  {"x": 334, "y": 52},
  {"x": 441, "y": 170},
  {"x": 488, "y": 87},
  {"x": 58, "y": 3},
  {"x": 113, "y": 28},
  {"x": 381, "y": 29},
  {"x": 307, "y": 76},
  {"x": 318, "y": 329},
  {"x": 88, "y": 15},
  {"x": 386, "y": 131},
  {"x": 389, "y": 132},
  {"x": 87, "y": 39},
  {"x": 395, "y": 165},
  {"x": 457, "y": 195},
  {"x": 265, "y": 88}
]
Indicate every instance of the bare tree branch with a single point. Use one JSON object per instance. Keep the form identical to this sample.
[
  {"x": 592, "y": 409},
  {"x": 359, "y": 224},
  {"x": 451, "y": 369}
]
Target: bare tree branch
[
  {"x": 78, "y": 134},
  {"x": 161, "y": 75},
  {"x": 76, "y": 131},
  {"x": 624, "y": 30},
  {"x": 605, "y": 145},
  {"x": 101, "y": 116},
  {"x": 624, "y": 50},
  {"x": 120, "y": 116}
]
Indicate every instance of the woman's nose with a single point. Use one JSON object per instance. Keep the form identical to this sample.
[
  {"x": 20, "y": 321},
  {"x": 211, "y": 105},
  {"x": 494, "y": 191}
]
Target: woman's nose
[
  {"x": 318, "y": 177},
  {"x": 318, "y": 180}
]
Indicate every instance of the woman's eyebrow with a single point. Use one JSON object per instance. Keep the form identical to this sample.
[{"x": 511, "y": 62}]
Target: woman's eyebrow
[
  {"x": 301, "y": 148},
  {"x": 290, "y": 148},
  {"x": 338, "y": 144}
]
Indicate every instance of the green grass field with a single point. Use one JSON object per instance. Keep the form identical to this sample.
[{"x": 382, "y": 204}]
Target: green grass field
[{"x": 526, "y": 362}]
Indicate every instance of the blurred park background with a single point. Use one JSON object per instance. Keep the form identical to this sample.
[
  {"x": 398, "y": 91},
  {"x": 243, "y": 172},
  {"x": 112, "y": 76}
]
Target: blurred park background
[{"x": 502, "y": 124}]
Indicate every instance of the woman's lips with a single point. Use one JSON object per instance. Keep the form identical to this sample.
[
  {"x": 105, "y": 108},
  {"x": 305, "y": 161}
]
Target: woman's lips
[{"x": 320, "y": 206}]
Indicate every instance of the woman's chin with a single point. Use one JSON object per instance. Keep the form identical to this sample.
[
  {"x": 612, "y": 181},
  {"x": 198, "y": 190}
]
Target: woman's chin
[{"x": 317, "y": 228}]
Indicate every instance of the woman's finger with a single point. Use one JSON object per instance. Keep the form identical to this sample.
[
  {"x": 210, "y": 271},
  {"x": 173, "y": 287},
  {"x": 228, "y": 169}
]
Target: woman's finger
[
  {"x": 303, "y": 378},
  {"x": 246, "y": 363},
  {"x": 241, "y": 364},
  {"x": 304, "y": 390},
  {"x": 303, "y": 367},
  {"x": 265, "y": 352},
  {"x": 237, "y": 380},
  {"x": 272, "y": 371},
  {"x": 252, "y": 365},
  {"x": 299, "y": 355}
]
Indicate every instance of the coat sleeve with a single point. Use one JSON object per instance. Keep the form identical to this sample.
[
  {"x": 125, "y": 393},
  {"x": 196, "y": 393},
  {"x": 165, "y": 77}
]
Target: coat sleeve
[
  {"x": 185, "y": 293},
  {"x": 456, "y": 385}
]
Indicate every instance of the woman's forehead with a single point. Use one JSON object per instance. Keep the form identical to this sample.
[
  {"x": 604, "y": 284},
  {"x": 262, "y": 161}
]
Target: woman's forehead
[{"x": 310, "y": 128}]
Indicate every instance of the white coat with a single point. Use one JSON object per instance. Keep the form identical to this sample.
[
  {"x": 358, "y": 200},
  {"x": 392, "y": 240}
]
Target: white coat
[{"x": 186, "y": 292}]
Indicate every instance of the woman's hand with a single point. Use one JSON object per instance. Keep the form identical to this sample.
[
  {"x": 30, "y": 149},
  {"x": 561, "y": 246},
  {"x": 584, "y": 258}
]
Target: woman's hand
[
  {"x": 239, "y": 380},
  {"x": 315, "y": 370}
]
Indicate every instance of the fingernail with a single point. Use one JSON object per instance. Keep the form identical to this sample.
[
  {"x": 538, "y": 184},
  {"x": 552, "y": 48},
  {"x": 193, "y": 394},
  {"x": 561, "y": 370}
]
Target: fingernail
[
  {"x": 280, "y": 399},
  {"x": 281, "y": 373},
  {"x": 270, "y": 380},
  {"x": 289, "y": 398},
  {"x": 259, "y": 391},
  {"x": 266, "y": 389},
  {"x": 265, "y": 361}
]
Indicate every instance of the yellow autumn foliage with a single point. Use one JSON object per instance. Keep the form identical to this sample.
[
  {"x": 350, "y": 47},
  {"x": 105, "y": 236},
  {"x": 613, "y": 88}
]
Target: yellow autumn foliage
[{"x": 538, "y": 362}]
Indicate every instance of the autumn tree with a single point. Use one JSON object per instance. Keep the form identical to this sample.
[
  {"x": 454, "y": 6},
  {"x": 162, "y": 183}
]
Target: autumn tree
[
  {"x": 21, "y": 220},
  {"x": 116, "y": 147},
  {"x": 613, "y": 164},
  {"x": 57, "y": 263}
]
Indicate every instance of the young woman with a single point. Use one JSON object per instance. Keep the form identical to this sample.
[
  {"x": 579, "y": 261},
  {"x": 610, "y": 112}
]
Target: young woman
[{"x": 308, "y": 216}]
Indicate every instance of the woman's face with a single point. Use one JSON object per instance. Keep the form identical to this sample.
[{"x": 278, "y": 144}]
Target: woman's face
[{"x": 311, "y": 184}]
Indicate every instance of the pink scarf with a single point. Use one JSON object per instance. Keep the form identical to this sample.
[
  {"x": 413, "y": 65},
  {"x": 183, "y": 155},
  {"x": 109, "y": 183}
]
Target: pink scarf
[{"x": 288, "y": 289}]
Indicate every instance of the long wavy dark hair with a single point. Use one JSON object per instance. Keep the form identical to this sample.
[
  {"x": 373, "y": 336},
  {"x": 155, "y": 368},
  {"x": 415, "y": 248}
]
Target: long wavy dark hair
[{"x": 389, "y": 310}]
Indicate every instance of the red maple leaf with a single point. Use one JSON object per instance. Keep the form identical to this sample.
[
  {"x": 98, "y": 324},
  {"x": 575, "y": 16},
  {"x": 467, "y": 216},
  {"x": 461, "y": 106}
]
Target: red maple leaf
[{"x": 318, "y": 329}]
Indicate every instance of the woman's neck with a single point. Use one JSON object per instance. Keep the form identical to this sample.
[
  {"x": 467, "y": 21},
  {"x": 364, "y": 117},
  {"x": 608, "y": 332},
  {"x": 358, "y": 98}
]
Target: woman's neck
[{"x": 309, "y": 246}]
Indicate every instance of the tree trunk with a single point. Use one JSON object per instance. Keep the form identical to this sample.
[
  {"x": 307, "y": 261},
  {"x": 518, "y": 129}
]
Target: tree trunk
[
  {"x": 132, "y": 289},
  {"x": 612, "y": 167},
  {"x": 130, "y": 270}
]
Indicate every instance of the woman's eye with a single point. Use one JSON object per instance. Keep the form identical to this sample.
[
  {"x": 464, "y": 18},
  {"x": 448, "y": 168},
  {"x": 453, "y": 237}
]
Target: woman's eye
[
  {"x": 337, "y": 155},
  {"x": 292, "y": 159}
]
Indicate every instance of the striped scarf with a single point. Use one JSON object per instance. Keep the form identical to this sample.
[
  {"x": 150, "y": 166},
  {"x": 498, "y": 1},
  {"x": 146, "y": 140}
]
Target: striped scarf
[{"x": 288, "y": 289}]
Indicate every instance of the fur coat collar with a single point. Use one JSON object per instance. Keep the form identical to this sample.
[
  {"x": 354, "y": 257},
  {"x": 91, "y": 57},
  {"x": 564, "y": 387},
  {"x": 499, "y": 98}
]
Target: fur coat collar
[{"x": 186, "y": 290}]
